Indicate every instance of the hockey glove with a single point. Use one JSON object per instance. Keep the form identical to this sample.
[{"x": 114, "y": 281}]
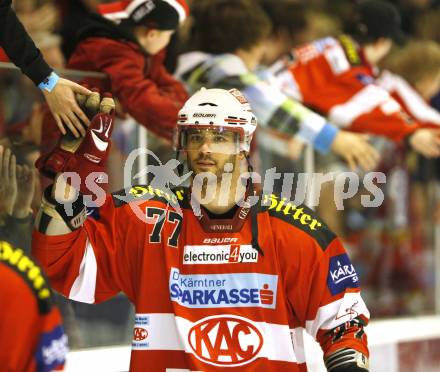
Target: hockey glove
[
  {"x": 86, "y": 154},
  {"x": 346, "y": 360}
]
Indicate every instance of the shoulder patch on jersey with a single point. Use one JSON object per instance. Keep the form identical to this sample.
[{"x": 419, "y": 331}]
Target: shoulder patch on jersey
[
  {"x": 350, "y": 49},
  {"x": 147, "y": 192},
  {"x": 341, "y": 274},
  {"x": 30, "y": 272},
  {"x": 301, "y": 216}
]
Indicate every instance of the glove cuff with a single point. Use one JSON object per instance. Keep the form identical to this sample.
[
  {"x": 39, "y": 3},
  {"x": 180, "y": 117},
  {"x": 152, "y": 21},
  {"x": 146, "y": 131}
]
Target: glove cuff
[
  {"x": 346, "y": 360},
  {"x": 72, "y": 214}
]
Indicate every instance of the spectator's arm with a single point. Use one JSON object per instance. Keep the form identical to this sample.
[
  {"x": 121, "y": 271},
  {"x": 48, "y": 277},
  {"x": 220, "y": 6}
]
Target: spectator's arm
[
  {"x": 19, "y": 47},
  {"x": 276, "y": 111}
]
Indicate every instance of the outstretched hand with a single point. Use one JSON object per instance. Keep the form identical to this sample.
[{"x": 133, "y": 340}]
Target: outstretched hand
[
  {"x": 355, "y": 150},
  {"x": 426, "y": 142},
  {"x": 65, "y": 109}
]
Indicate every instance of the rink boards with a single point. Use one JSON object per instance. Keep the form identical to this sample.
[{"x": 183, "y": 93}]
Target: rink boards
[{"x": 396, "y": 345}]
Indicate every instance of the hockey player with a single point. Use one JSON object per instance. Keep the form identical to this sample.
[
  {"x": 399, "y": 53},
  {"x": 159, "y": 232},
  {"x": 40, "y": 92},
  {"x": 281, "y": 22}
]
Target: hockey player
[
  {"x": 31, "y": 333},
  {"x": 216, "y": 281},
  {"x": 339, "y": 76}
]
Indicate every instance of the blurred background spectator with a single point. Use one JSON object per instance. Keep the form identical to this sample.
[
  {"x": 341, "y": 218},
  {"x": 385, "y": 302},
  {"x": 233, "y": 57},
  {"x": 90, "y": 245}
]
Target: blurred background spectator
[
  {"x": 72, "y": 14},
  {"x": 419, "y": 63},
  {"x": 16, "y": 195},
  {"x": 223, "y": 61},
  {"x": 37, "y": 16}
]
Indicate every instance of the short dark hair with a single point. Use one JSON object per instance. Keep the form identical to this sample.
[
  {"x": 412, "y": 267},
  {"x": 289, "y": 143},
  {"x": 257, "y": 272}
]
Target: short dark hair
[
  {"x": 286, "y": 15},
  {"x": 374, "y": 19},
  {"x": 224, "y": 26}
]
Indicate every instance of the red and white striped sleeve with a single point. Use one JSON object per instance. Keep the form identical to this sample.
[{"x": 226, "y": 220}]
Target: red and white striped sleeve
[
  {"x": 336, "y": 313},
  {"x": 409, "y": 98},
  {"x": 322, "y": 287},
  {"x": 326, "y": 80},
  {"x": 373, "y": 110}
]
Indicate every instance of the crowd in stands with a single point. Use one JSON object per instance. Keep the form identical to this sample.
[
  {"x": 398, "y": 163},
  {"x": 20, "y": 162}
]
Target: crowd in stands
[{"x": 315, "y": 74}]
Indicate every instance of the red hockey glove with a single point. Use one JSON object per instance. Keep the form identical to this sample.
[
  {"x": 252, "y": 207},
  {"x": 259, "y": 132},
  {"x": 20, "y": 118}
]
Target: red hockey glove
[{"x": 86, "y": 154}]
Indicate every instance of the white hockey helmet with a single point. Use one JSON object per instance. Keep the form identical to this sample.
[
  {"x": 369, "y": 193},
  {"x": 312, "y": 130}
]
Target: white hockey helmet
[{"x": 211, "y": 108}]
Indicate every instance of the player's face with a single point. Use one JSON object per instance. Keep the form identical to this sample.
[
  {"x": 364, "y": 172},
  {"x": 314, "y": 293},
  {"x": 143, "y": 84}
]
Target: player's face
[{"x": 209, "y": 150}]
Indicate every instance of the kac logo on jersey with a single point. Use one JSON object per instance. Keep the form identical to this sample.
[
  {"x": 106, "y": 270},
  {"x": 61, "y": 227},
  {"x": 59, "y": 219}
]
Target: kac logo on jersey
[
  {"x": 223, "y": 290},
  {"x": 342, "y": 274},
  {"x": 219, "y": 254},
  {"x": 225, "y": 340},
  {"x": 140, "y": 333}
]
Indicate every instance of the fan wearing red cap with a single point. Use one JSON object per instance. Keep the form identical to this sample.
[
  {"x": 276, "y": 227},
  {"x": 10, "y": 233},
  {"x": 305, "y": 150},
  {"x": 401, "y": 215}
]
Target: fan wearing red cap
[
  {"x": 127, "y": 42},
  {"x": 153, "y": 21}
]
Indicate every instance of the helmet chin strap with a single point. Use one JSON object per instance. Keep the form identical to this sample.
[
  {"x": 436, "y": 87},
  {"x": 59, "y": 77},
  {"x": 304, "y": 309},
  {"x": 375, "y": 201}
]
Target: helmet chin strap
[
  {"x": 181, "y": 166},
  {"x": 254, "y": 210}
]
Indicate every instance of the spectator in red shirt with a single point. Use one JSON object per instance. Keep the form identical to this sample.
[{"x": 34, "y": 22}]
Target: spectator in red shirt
[{"x": 127, "y": 43}]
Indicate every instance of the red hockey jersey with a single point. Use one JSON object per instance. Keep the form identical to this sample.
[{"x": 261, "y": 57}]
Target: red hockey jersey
[
  {"x": 331, "y": 76},
  {"x": 209, "y": 300},
  {"x": 31, "y": 333}
]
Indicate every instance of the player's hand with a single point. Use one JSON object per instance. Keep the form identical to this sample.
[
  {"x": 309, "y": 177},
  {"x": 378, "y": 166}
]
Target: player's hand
[
  {"x": 355, "y": 150},
  {"x": 88, "y": 154},
  {"x": 26, "y": 184},
  {"x": 426, "y": 142},
  {"x": 65, "y": 109},
  {"x": 8, "y": 182}
]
